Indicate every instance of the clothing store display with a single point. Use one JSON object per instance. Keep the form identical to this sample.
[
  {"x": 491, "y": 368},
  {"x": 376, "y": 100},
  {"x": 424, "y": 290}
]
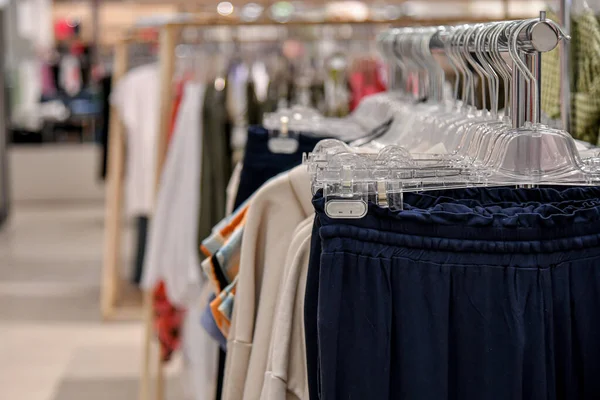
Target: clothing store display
[
  {"x": 420, "y": 247},
  {"x": 136, "y": 97}
]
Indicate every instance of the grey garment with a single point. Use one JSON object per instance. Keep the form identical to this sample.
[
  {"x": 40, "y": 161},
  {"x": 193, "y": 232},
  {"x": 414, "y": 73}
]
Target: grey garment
[
  {"x": 142, "y": 234},
  {"x": 216, "y": 161}
]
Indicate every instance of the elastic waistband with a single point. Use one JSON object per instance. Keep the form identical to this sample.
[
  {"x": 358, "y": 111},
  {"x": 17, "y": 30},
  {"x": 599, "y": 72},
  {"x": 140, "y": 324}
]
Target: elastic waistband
[
  {"x": 489, "y": 215},
  {"x": 504, "y": 194},
  {"x": 536, "y": 254}
]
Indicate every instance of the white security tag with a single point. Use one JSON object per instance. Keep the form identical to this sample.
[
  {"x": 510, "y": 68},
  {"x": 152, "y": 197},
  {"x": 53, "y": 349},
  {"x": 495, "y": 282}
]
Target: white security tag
[
  {"x": 346, "y": 208},
  {"x": 283, "y": 145}
]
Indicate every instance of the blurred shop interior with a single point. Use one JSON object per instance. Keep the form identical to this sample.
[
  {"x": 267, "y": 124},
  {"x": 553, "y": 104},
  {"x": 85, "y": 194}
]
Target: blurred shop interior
[
  {"x": 94, "y": 95},
  {"x": 59, "y": 56}
]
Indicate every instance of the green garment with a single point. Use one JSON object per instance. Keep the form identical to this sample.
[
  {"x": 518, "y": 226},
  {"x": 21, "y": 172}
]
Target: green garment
[
  {"x": 257, "y": 108},
  {"x": 216, "y": 160},
  {"x": 585, "y": 55}
]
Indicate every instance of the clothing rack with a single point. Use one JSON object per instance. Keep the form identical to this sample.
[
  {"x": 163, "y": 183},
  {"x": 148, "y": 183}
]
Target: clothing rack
[
  {"x": 111, "y": 292},
  {"x": 167, "y": 42},
  {"x": 537, "y": 37},
  {"x": 523, "y": 40}
]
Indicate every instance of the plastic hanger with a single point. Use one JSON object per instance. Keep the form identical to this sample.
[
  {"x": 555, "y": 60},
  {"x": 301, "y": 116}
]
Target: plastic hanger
[{"x": 529, "y": 155}]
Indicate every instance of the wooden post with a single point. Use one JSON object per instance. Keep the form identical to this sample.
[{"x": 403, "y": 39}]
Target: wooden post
[
  {"x": 113, "y": 217},
  {"x": 506, "y": 9},
  {"x": 168, "y": 41}
]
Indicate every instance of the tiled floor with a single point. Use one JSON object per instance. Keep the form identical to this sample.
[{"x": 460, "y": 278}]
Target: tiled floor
[{"x": 53, "y": 344}]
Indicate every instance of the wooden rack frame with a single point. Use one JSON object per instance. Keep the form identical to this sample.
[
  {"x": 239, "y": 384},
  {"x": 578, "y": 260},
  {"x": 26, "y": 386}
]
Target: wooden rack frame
[
  {"x": 111, "y": 280},
  {"x": 112, "y": 284}
]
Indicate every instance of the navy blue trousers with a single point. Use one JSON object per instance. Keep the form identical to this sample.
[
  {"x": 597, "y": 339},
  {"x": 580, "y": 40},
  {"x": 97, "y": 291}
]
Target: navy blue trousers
[
  {"x": 260, "y": 164},
  {"x": 467, "y": 294}
]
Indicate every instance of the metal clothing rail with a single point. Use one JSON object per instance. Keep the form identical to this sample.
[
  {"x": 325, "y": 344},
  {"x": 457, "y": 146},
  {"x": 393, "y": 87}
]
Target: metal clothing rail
[
  {"x": 537, "y": 37},
  {"x": 532, "y": 37}
]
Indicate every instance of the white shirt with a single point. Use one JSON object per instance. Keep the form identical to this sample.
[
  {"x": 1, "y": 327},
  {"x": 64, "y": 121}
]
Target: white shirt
[
  {"x": 172, "y": 247},
  {"x": 136, "y": 97},
  {"x": 70, "y": 75}
]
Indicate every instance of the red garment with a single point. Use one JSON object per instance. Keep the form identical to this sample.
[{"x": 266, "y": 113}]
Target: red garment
[
  {"x": 168, "y": 319},
  {"x": 365, "y": 81},
  {"x": 179, "y": 86},
  {"x": 63, "y": 29}
]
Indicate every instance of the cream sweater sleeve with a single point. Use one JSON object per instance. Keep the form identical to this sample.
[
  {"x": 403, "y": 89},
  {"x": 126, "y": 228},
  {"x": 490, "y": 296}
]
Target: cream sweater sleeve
[
  {"x": 285, "y": 377},
  {"x": 276, "y": 210}
]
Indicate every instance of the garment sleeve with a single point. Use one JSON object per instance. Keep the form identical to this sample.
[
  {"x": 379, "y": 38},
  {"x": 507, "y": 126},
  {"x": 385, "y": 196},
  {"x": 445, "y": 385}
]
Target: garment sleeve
[{"x": 287, "y": 325}]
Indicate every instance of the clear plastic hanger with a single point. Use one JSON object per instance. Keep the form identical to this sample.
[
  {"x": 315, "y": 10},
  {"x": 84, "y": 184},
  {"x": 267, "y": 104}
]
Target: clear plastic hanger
[
  {"x": 478, "y": 148},
  {"x": 528, "y": 155},
  {"x": 403, "y": 110},
  {"x": 427, "y": 119},
  {"x": 438, "y": 127},
  {"x": 379, "y": 107},
  {"x": 459, "y": 126},
  {"x": 551, "y": 154},
  {"x": 371, "y": 117},
  {"x": 468, "y": 144},
  {"x": 287, "y": 122}
]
